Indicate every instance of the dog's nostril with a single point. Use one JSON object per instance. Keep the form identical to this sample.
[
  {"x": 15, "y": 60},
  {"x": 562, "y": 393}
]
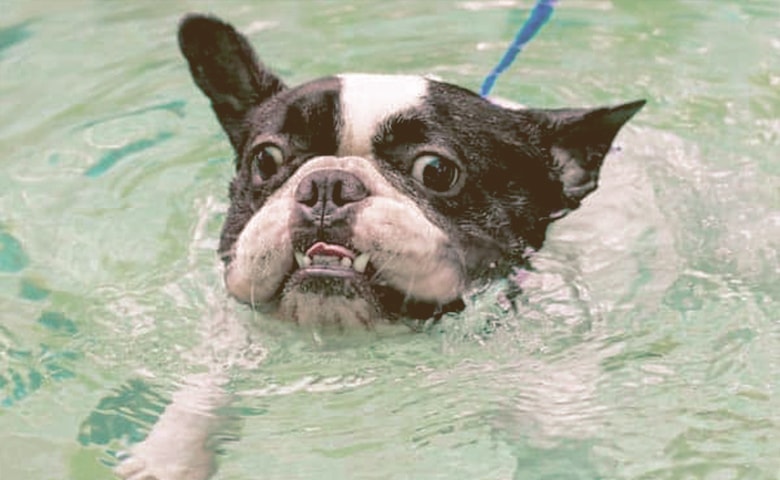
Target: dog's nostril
[
  {"x": 307, "y": 193},
  {"x": 336, "y": 194},
  {"x": 348, "y": 190},
  {"x": 330, "y": 189}
]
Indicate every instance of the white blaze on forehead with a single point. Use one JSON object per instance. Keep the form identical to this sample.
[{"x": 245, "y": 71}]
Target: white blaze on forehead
[{"x": 368, "y": 100}]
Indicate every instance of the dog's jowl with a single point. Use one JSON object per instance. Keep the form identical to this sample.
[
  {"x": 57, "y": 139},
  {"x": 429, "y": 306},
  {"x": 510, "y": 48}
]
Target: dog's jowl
[{"x": 360, "y": 198}]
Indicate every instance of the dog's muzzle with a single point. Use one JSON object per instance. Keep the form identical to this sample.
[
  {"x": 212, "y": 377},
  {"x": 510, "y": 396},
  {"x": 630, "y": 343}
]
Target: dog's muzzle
[
  {"x": 340, "y": 243},
  {"x": 325, "y": 204}
]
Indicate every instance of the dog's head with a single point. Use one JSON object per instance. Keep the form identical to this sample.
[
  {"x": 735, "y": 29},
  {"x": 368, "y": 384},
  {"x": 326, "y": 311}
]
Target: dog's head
[{"x": 360, "y": 198}]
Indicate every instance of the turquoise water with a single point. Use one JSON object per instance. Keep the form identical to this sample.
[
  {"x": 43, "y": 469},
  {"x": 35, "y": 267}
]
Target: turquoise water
[{"x": 648, "y": 343}]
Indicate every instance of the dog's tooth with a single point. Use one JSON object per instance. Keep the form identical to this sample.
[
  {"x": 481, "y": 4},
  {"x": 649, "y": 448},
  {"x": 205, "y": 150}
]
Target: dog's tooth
[
  {"x": 346, "y": 262},
  {"x": 300, "y": 259},
  {"x": 306, "y": 261},
  {"x": 361, "y": 262}
]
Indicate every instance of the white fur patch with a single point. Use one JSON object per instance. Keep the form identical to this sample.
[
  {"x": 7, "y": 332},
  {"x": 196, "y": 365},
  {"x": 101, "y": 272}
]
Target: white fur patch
[
  {"x": 367, "y": 100},
  {"x": 409, "y": 252},
  {"x": 506, "y": 103},
  {"x": 263, "y": 251}
]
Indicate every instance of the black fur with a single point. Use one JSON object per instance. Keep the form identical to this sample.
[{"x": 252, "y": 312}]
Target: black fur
[{"x": 520, "y": 169}]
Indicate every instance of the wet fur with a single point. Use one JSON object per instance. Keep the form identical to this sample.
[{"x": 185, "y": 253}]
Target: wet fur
[{"x": 522, "y": 169}]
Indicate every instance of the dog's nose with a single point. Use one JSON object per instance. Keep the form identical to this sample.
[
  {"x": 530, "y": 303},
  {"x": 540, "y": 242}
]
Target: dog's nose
[{"x": 325, "y": 191}]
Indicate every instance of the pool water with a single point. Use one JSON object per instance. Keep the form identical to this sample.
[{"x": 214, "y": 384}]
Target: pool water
[{"x": 647, "y": 341}]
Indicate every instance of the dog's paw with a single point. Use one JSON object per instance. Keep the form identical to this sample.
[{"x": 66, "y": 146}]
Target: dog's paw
[
  {"x": 134, "y": 468},
  {"x": 149, "y": 463}
]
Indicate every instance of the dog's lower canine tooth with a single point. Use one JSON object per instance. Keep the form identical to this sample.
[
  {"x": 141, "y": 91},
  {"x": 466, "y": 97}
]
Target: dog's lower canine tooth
[
  {"x": 361, "y": 262},
  {"x": 346, "y": 262},
  {"x": 300, "y": 259}
]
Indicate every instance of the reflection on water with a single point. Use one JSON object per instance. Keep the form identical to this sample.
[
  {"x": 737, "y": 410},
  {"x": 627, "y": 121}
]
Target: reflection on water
[{"x": 645, "y": 344}]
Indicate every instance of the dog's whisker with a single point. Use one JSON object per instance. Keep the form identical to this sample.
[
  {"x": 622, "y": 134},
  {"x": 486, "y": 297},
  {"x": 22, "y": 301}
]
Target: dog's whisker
[
  {"x": 378, "y": 269},
  {"x": 410, "y": 288}
]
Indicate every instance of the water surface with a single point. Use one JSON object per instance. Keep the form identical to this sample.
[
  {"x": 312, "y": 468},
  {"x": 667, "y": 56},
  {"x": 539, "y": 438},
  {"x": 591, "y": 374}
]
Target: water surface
[{"x": 647, "y": 344}]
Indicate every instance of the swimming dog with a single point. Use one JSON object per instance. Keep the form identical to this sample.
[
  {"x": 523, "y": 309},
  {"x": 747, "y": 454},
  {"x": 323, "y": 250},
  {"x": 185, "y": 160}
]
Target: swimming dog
[{"x": 361, "y": 199}]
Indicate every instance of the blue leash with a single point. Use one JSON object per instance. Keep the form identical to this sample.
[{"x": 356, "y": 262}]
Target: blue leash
[{"x": 539, "y": 16}]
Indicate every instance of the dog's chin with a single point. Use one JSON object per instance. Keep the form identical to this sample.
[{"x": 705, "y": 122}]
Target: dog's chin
[
  {"x": 331, "y": 285},
  {"x": 330, "y": 297}
]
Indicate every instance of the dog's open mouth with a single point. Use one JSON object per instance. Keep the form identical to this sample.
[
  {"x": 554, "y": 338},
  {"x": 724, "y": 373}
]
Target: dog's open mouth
[
  {"x": 331, "y": 260},
  {"x": 331, "y": 286}
]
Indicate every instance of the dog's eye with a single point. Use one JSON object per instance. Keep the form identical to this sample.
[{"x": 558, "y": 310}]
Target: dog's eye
[
  {"x": 266, "y": 161},
  {"x": 436, "y": 173}
]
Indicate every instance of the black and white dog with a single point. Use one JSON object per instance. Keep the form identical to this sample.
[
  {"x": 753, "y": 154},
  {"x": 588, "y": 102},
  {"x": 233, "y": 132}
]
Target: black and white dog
[
  {"x": 361, "y": 199},
  {"x": 367, "y": 198}
]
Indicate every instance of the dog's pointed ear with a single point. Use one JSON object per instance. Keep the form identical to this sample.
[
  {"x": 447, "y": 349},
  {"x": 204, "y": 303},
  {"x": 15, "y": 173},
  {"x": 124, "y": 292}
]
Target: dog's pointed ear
[
  {"x": 224, "y": 66},
  {"x": 581, "y": 140}
]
